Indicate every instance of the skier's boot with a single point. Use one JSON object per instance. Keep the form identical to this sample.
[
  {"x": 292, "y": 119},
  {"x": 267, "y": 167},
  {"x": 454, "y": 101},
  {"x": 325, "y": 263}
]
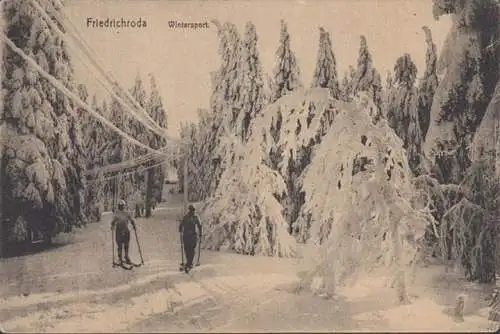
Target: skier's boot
[{"x": 127, "y": 260}]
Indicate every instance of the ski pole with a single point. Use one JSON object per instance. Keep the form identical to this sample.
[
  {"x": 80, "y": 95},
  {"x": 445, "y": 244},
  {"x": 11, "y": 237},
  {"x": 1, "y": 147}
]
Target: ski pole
[
  {"x": 138, "y": 245},
  {"x": 199, "y": 251},
  {"x": 182, "y": 249},
  {"x": 113, "y": 247}
]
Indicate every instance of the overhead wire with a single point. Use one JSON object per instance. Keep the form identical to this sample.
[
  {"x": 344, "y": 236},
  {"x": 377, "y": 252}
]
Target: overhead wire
[
  {"x": 93, "y": 56},
  {"x": 141, "y": 169},
  {"x": 55, "y": 82},
  {"x": 156, "y": 129},
  {"x": 82, "y": 44},
  {"x": 60, "y": 17},
  {"x": 125, "y": 164}
]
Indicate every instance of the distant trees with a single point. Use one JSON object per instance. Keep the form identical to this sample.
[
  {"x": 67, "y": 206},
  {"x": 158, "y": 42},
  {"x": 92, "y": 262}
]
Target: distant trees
[
  {"x": 366, "y": 77},
  {"x": 286, "y": 73},
  {"x": 402, "y": 112},
  {"x": 428, "y": 84},
  {"x": 325, "y": 73}
]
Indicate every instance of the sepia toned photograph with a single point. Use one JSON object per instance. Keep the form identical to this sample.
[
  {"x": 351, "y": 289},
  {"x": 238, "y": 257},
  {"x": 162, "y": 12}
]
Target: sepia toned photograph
[{"x": 205, "y": 166}]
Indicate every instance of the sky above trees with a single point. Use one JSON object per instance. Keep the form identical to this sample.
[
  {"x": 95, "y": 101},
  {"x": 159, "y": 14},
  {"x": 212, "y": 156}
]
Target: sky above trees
[{"x": 182, "y": 60}]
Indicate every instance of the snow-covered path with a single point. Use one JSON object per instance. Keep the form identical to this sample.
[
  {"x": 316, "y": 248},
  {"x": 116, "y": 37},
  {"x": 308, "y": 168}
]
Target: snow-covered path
[{"x": 73, "y": 288}]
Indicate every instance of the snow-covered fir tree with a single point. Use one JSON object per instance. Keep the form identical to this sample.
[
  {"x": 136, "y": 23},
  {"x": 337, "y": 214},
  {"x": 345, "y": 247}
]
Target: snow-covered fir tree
[
  {"x": 286, "y": 72},
  {"x": 461, "y": 140},
  {"x": 367, "y": 78},
  {"x": 486, "y": 143},
  {"x": 344, "y": 88},
  {"x": 402, "y": 112},
  {"x": 93, "y": 135},
  {"x": 470, "y": 60},
  {"x": 120, "y": 149},
  {"x": 428, "y": 83},
  {"x": 136, "y": 183},
  {"x": 347, "y": 89},
  {"x": 387, "y": 90},
  {"x": 252, "y": 83},
  {"x": 325, "y": 73},
  {"x": 259, "y": 196},
  {"x": 155, "y": 175},
  {"x": 96, "y": 146},
  {"x": 43, "y": 181},
  {"x": 218, "y": 131}
]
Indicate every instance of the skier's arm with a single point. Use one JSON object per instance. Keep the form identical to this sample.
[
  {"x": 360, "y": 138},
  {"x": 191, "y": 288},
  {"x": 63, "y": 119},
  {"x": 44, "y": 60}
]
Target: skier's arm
[
  {"x": 181, "y": 225},
  {"x": 113, "y": 223}
]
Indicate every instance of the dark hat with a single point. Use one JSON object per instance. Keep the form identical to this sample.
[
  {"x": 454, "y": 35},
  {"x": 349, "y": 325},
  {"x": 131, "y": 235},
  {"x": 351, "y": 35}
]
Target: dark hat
[{"x": 191, "y": 207}]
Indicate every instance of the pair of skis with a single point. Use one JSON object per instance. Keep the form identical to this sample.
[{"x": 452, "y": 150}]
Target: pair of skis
[
  {"x": 183, "y": 266},
  {"x": 126, "y": 266},
  {"x": 122, "y": 265}
]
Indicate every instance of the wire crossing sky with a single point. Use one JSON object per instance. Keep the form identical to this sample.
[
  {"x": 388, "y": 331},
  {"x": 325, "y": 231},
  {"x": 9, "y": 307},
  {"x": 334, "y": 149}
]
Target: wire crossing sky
[{"x": 170, "y": 39}]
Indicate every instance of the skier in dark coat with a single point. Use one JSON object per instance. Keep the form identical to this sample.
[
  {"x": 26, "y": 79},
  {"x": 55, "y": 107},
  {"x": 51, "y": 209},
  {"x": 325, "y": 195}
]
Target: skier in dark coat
[
  {"x": 119, "y": 224},
  {"x": 187, "y": 228}
]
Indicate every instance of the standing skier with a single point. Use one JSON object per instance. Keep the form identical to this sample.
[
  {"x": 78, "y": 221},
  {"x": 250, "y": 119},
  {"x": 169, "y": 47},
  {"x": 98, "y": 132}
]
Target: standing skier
[
  {"x": 187, "y": 228},
  {"x": 119, "y": 224}
]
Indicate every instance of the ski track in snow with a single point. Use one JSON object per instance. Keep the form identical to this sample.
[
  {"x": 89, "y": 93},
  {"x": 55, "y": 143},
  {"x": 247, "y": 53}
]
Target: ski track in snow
[
  {"x": 227, "y": 293},
  {"x": 89, "y": 317}
]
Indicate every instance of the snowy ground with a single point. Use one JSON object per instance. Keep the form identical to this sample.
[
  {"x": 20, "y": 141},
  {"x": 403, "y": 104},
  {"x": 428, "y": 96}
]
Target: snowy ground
[{"x": 73, "y": 288}]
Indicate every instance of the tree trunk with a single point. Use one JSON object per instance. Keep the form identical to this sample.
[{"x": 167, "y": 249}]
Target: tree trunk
[
  {"x": 185, "y": 183},
  {"x": 1, "y": 233},
  {"x": 400, "y": 273},
  {"x": 150, "y": 178},
  {"x": 161, "y": 181}
]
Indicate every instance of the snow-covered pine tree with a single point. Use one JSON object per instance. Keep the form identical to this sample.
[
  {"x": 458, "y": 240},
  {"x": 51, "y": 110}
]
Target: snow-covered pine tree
[
  {"x": 344, "y": 88},
  {"x": 347, "y": 84},
  {"x": 389, "y": 85},
  {"x": 486, "y": 143},
  {"x": 367, "y": 78},
  {"x": 90, "y": 128},
  {"x": 428, "y": 83},
  {"x": 364, "y": 71},
  {"x": 473, "y": 223},
  {"x": 402, "y": 112},
  {"x": 43, "y": 181},
  {"x": 352, "y": 78},
  {"x": 218, "y": 130},
  {"x": 108, "y": 152},
  {"x": 120, "y": 148},
  {"x": 470, "y": 57},
  {"x": 252, "y": 83},
  {"x": 259, "y": 194},
  {"x": 389, "y": 81},
  {"x": 136, "y": 183},
  {"x": 197, "y": 136},
  {"x": 96, "y": 146},
  {"x": 226, "y": 81},
  {"x": 158, "y": 114},
  {"x": 325, "y": 74},
  {"x": 483, "y": 194},
  {"x": 286, "y": 72}
]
